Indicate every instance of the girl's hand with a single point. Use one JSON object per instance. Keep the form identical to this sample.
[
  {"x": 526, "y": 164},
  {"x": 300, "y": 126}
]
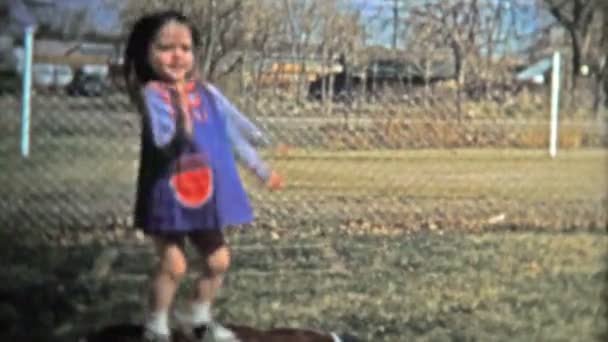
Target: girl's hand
[
  {"x": 185, "y": 108},
  {"x": 188, "y": 125},
  {"x": 275, "y": 181}
]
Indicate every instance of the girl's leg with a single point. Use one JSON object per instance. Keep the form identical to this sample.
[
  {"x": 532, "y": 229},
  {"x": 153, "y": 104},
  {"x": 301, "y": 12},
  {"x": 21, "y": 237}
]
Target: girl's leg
[
  {"x": 171, "y": 269},
  {"x": 215, "y": 260}
]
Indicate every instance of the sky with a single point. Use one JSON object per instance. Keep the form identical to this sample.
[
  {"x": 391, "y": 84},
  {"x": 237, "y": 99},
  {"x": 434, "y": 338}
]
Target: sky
[
  {"x": 377, "y": 15},
  {"x": 105, "y": 18}
]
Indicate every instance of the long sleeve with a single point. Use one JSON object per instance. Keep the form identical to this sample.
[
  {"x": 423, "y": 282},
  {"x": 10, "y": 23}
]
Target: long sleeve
[
  {"x": 236, "y": 123},
  {"x": 165, "y": 125},
  {"x": 241, "y": 122},
  {"x": 246, "y": 153}
]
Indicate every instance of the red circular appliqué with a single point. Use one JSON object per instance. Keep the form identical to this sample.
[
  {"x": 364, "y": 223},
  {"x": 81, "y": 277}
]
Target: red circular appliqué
[{"x": 193, "y": 184}]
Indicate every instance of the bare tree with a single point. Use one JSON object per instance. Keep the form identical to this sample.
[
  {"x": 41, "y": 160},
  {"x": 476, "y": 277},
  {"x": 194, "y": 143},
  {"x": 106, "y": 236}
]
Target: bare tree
[
  {"x": 456, "y": 23},
  {"x": 76, "y": 23},
  {"x": 429, "y": 44},
  {"x": 584, "y": 21},
  {"x": 337, "y": 35},
  {"x": 576, "y": 17},
  {"x": 302, "y": 18},
  {"x": 598, "y": 57},
  {"x": 264, "y": 29},
  {"x": 603, "y": 62}
]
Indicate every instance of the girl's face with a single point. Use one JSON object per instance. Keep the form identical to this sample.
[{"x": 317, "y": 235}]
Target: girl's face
[{"x": 170, "y": 54}]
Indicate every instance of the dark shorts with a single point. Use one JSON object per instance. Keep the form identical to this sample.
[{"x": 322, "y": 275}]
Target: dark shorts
[{"x": 205, "y": 241}]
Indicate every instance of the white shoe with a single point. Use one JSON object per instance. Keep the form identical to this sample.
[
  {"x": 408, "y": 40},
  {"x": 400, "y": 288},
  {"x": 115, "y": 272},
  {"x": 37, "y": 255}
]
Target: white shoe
[
  {"x": 213, "y": 331},
  {"x": 184, "y": 320},
  {"x": 218, "y": 333}
]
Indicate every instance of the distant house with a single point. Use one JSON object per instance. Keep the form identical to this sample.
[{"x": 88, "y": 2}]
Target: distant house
[
  {"x": 536, "y": 73},
  {"x": 381, "y": 74},
  {"x": 285, "y": 71},
  {"x": 412, "y": 73},
  {"x": 73, "y": 53}
]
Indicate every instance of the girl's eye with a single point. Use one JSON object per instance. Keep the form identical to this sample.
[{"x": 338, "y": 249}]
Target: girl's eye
[{"x": 168, "y": 47}]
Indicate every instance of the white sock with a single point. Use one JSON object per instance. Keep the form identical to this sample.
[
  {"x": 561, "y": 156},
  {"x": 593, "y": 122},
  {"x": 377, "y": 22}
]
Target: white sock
[
  {"x": 158, "y": 323},
  {"x": 201, "y": 313}
]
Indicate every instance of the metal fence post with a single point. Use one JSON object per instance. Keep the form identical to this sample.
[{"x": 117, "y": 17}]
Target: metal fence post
[
  {"x": 554, "y": 104},
  {"x": 27, "y": 90}
]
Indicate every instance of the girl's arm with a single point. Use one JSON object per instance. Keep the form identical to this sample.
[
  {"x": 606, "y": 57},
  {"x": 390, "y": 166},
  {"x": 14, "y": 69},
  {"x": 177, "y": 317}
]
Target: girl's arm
[
  {"x": 241, "y": 122},
  {"x": 245, "y": 152},
  {"x": 165, "y": 123},
  {"x": 236, "y": 122}
]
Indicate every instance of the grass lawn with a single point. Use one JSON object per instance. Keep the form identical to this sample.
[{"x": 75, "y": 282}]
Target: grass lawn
[
  {"x": 426, "y": 285},
  {"x": 511, "y": 173},
  {"x": 418, "y": 287},
  {"x": 429, "y": 287},
  {"x": 521, "y": 174}
]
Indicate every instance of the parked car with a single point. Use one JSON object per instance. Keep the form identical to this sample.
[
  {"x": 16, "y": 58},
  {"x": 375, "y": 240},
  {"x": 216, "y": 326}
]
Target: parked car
[
  {"x": 63, "y": 75},
  {"x": 99, "y": 69},
  {"x": 50, "y": 77},
  {"x": 85, "y": 84},
  {"x": 43, "y": 75}
]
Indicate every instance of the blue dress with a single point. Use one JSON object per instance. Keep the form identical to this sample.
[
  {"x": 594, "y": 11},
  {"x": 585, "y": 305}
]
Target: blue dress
[{"x": 188, "y": 183}]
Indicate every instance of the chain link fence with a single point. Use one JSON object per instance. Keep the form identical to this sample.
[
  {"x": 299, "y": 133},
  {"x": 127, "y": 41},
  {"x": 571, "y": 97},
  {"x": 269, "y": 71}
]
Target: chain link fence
[{"x": 394, "y": 160}]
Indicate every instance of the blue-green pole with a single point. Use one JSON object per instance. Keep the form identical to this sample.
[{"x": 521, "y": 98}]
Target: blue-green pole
[
  {"x": 27, "y": 91},
  {"x": 555, "y": 78}
]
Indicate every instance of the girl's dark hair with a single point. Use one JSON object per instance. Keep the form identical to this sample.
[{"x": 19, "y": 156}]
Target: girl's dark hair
[{"x": 136, "y": 69}]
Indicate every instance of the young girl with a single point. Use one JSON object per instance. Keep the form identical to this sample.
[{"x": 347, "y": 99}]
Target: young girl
[{"x": 188, "y": 183}]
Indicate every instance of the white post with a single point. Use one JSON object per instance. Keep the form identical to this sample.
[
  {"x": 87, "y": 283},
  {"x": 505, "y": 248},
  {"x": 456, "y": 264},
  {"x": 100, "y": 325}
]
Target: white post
[
  {"x": 27, "y": 90},
  {"x": 555, "y": 77}
]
